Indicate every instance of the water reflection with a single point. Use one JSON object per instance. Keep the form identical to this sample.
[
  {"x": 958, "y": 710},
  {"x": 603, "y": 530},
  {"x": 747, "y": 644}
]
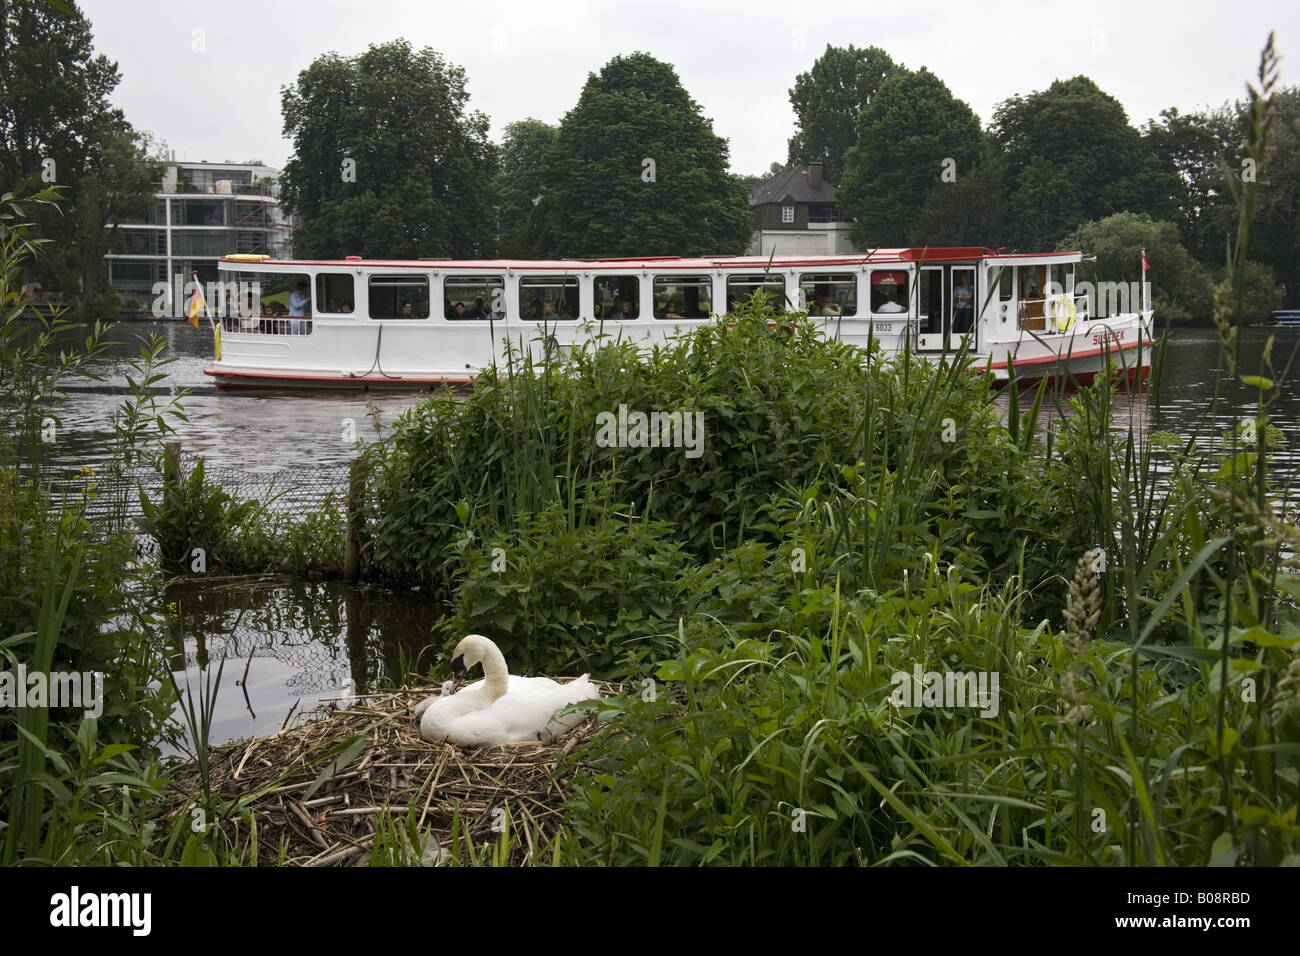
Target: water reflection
[{"x": 289, "y": 644}]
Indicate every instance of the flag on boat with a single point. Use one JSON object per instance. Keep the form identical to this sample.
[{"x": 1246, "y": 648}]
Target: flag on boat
[
  {"x": 196, "y": 301},
  {"x": 1146, "y": 266}
]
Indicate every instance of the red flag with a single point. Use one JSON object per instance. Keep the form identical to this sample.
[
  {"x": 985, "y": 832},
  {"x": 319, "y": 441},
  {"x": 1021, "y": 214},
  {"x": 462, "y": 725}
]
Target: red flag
[{"x": 1146, "y": 266}]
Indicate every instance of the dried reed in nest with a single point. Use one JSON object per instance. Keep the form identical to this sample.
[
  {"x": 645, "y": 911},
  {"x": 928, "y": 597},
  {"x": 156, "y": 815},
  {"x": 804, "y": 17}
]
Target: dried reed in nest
[{"x": 317, "y": 790}]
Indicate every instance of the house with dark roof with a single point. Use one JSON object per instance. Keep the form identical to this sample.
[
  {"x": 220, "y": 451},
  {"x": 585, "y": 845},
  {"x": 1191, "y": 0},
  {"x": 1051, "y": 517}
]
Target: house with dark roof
[{"x": 794, "y": 213}]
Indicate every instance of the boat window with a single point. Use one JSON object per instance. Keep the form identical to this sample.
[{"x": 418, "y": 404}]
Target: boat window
[
  {"x": 335, "y": 294},
  {"x": 618, "y": 297},
  {"x": 275, "y": 303},
  {"x": 931, "y": 304},
  {"x": 682, "y": 297},
  {"x": 830, "y": 293},
  {"x": 1004, "y": 283},
  {"x": 548, "y": 298},
  {"x": 889, "y": 291},
  {"x": 474, "y": 297},
  {"x": 1059, "y": 279},
  {"x": 741, "y": 287},
  {"x": 1032, "y": 313},
  {"x": 399, "y": 297}
]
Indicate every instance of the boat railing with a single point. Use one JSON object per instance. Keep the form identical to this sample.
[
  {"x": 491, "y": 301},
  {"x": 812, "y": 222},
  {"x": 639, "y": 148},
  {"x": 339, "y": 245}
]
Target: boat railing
[{"x": 267, "y": 324}]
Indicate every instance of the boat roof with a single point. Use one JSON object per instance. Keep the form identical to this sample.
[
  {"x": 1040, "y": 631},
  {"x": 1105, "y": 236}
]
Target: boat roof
[{"x": 758, "y": 263}]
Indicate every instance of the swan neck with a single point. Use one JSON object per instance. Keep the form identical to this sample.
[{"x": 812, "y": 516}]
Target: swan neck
[{"x": 496, "y": 678}]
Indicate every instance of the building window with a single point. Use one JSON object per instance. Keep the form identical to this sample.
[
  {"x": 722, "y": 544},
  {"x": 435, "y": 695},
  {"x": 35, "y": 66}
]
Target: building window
[
  {"x": 548, "y": 298},
  {"x": 474, "y": 297},
  {"x": 682, "y": 297},
  {"x": 787, "y": 214},
  {"x": 399, "y": 297}
]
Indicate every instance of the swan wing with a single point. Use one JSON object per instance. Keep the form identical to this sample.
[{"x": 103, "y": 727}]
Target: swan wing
[{"x": 522, "y": 714}]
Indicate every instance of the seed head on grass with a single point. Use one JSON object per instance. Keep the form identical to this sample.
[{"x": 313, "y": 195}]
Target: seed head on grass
[{"x": 1084, "y": 606}]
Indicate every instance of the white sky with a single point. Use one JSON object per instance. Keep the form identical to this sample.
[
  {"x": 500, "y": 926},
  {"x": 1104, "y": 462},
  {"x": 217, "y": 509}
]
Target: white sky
[{"x": 737, "y": 59}]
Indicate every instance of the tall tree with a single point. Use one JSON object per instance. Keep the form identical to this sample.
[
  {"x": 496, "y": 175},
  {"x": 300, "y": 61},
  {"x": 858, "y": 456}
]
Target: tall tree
[
  {"x": 1181, "y": 288},
  {"x": 1275, "y": 239},
  {"x": 828, "y": 101},
  {"x": 520, "y": 185},
  {"x": 1194, "y": 147},
  {"x": 387, "y": 162},
  {"x": 1077, "y": 138},
  {"x": 635, "y": 169},
  {"x": 971, "y": 211},
  {"x": 56, "y": 125},
  {"x": 912, "y": 138}
]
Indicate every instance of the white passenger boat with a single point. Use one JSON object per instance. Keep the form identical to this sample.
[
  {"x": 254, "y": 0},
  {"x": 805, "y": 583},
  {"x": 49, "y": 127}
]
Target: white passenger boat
[{"x": 357, "y": 323}]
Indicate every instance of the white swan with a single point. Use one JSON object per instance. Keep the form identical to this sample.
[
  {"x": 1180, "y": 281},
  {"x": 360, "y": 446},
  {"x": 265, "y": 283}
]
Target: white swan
[{"x": 501, "y": 708}]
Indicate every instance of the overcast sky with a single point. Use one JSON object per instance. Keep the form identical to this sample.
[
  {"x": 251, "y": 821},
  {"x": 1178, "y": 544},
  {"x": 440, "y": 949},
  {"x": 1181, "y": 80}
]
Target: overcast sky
[{"x": 738, "y": 60}]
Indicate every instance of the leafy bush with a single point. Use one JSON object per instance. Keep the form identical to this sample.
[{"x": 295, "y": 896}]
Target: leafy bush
[
  {"x": 191, "y": 514},
  {"x": 559, "y": 599}
]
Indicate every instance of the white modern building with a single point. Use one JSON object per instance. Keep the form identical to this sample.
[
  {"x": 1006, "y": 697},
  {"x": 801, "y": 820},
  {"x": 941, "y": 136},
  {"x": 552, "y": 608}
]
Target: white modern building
[{"x": 201, "y": 212}]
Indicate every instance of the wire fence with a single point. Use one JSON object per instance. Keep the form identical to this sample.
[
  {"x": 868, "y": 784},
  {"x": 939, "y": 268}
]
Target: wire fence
[{"x": 294, "y": 490}]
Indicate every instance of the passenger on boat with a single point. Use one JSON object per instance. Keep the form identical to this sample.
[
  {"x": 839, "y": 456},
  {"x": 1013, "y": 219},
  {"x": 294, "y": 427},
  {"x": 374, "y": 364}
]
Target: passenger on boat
[
  {"x": 535, "y": 309},
  {"x": 346, "y": 307},
  {"x": 408, "y": 310},
  {"x": 963, "y": 296},
  {"x": 674, "y": 310},
  {"x": 299, "y": 305},
  {"x": 477, "y": 311},
  {"x": 615, "y": 309},
  {"x": 823, "y": 306},
  {"x": 889, "y": 305}
]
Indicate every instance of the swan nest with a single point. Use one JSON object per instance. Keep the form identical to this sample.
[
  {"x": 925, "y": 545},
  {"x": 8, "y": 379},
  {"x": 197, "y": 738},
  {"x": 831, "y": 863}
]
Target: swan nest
[{"x": 373, "y": 759}]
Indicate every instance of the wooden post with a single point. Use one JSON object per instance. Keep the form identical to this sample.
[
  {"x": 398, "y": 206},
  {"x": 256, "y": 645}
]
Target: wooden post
[
  {"x": 172, "y": 466},
  {"x": 356, "y": 519}
]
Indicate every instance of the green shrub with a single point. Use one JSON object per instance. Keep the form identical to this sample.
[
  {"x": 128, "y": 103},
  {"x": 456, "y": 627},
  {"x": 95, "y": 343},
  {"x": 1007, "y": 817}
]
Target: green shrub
[{"x": 559, "y": 599}]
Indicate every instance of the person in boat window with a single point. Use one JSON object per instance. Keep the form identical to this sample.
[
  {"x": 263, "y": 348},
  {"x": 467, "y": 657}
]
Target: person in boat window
[
  {"x": 674, "y": 310},
  {"x": 408, "y": 310},
  {"x": 299, "y": 305},
  {"x": 458, "y": 310},
  {"x": 535, "y": 309},
  {"x": 822, "y": 305},
  {"x": 548, "y": 310},
  {"x": 477, "y": 312},
  {"x": 627, "y": 310},
  {"x": 963, "y": 297},
  {"x": 345, "y": 308},
  {"x": 333, "y": 306},
  {"x": 615, "y": 309},
  {"x": 889, "y": 291}
]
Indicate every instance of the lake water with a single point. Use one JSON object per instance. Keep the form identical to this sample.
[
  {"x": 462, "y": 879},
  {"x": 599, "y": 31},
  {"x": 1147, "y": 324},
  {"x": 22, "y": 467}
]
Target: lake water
[{"x": 292, "y": 644}]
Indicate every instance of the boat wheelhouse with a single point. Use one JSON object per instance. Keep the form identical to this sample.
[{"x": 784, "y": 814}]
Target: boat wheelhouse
[{"x": 357, "y": 323}]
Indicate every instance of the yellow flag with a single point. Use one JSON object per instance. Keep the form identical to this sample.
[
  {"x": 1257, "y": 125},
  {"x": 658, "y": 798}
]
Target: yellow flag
[
  {"x": 216, "y": 341},
  {"x": 196, "y": 303}
]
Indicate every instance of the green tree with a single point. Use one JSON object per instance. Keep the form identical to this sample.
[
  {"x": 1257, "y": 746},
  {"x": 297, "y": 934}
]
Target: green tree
[
  {"x": 635, "y": 169},
  {"x": 1275, "y": 239},
  {"x": 828, "y": 100},
  {"x": 56, "y": 125},
  {"x": 912, "y": 134},
  {"x": 972, "y": 211},
  {"x": 1075, "y": 137},
  {"x": 386, "y": 160},
  {"x": 1182, "y": 290},
  {"x": 1195, "y": 147},
  {"x": 520, "y": 185}
]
